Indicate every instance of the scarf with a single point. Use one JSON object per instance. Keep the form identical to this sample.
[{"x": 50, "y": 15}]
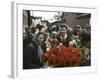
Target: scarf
[{"x": 40, "y": 52}]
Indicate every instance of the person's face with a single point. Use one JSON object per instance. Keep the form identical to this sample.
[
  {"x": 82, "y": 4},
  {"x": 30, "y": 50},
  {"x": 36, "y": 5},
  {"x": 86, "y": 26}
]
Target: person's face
[
  {"x": 77, "y": 28},
  {"x": 88, "y": 29},
  {"x": 40, "y": 39},
  {"x": 29, "y": 33},
  {"x": 54, "y": 36},
  {"x": 63, "y": 31}
]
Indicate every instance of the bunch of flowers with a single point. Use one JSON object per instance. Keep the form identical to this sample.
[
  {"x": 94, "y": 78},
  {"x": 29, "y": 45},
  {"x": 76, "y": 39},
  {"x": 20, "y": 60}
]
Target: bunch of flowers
[{"x": 60, "y": 56}]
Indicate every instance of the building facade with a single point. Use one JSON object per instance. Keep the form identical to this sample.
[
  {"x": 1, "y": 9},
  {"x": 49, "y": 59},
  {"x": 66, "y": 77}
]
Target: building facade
[{"x": 73, "y": 19}]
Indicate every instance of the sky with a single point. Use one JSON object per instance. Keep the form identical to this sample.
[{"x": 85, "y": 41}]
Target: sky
[{"x": 46, "y": 15}]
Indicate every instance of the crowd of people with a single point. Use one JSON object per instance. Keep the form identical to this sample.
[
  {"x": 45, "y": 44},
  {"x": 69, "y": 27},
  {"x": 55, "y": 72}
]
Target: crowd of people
[{"x": 56, "y": 46}]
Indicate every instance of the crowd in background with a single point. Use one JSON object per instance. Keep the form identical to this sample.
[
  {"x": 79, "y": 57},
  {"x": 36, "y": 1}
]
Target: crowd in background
[{"x": 56, "y": 46}]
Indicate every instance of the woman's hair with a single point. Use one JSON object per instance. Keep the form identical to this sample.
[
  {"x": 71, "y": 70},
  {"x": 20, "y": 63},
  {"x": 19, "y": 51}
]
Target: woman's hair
[{"x": 39, "y": 26}]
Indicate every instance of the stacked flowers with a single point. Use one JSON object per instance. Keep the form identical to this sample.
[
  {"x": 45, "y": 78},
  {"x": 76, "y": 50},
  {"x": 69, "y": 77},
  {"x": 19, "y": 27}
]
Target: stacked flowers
[{"x": 60, "y": 56}]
